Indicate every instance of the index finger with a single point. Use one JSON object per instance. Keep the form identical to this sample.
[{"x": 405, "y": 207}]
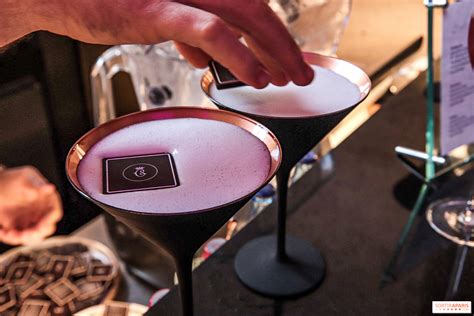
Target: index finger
[
  {"x": 257, "y": 19},
  {"x": 204, "y": 30}
]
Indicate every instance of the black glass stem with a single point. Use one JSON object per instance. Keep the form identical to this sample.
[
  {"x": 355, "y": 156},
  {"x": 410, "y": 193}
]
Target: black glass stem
[{"x": 282, "y": 177}]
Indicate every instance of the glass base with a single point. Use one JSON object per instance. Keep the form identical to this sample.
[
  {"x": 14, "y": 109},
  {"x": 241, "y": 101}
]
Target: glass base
[
  {"x": 453, "y": 219},
  {"x": 258, "y": 268}
]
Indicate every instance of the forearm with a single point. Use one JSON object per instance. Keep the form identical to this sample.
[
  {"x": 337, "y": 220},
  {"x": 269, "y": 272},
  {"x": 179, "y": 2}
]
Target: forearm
[
  {"x": 15, "y": 21},
  {"x": 92, "y": 21}
]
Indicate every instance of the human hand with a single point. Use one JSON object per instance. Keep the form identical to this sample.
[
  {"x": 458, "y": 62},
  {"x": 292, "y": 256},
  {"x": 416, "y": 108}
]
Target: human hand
[
  {"x": 30, "y": 206},
  {"x": 201, "y": 29}
]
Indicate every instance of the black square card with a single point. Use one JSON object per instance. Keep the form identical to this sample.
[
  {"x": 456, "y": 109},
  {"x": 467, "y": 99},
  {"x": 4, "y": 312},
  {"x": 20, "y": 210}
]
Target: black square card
[
  {"x": 139, "y": 173},
  {"x": 223, "y": 78}
]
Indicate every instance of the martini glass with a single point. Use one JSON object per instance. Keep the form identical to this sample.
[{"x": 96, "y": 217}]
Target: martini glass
[
  {"x": 279, "y": 265},
  {"x": 182, "y": 232},
  {"x": 453, "y": 218}
]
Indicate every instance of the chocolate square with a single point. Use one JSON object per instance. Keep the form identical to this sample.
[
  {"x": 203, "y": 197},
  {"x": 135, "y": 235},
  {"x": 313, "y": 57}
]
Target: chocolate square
[
  {"x": 60, "y": 266},
  {"x": 80, "y": 266},
  {"x": 19, "y": 272},
  {"x": 223, "y": 78},
  {"x": 116, "y": 310},
  {"x": 42, "y": 261},
  {"x": 26, "y": 289},
  {"x": 139, "y": 173},
  {"x": 34, "y": 308},
  {"x": 62, "y": 291},
  {"x": 100, "y": 272},
  {"x": 88, "y": 289},
  {"x": 7, "y": 297}
]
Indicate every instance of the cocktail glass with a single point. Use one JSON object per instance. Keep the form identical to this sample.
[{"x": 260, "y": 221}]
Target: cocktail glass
[
  {"x": 280, "y": 265},
  {"x": 453, "y": 218},
  {"x": 183, "y": 232}
]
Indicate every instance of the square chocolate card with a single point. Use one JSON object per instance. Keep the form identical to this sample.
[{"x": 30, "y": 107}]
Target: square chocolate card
[
  {"x": 62, "y": 291},
  {"x": 100, "y": 272},
  {"x": 19, "y": 272},
  {"x": 138, "y": 173},
  {"x": 116, "y": 309},
  {"x": 34, "y": 308},
  {"x": 29, "y": 287},
  {"x": 61, "y": 266},
  {"x": 7, "y": 297},
  {"x": 223, "y": 78}
]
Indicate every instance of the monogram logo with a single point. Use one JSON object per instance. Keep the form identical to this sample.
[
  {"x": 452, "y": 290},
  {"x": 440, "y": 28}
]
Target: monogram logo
[{"x": 140, "y": 172}]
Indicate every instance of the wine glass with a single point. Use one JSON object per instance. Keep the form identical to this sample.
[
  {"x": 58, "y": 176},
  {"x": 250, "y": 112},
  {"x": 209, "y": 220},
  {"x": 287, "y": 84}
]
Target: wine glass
[{"x": 453, "y": 218}]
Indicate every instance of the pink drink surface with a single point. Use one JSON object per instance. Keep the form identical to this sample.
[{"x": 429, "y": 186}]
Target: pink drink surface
[
  {"x": 216, "y": 163},
  {"x": 329, "y": 92}
]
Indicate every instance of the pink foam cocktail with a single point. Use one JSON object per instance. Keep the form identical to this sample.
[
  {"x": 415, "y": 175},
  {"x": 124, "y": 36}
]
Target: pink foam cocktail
[{"x": 216, "y": 162}]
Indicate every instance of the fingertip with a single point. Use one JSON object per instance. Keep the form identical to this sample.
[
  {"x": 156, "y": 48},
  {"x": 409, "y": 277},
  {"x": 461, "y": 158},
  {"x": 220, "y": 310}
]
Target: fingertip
[
  {"x": 307, "y": 76},
  {"x": 280, "y": 82},
  {"x": 263, "y": 79},
  {"x": 260, "y": 87},
  {"x": 310, "y": 73},
  {"x": 279, "y": 78}
]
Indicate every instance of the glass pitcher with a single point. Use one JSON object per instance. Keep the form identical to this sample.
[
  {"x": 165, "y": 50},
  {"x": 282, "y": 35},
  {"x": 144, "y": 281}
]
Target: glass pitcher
[
  {"x": 316, "y": 25},
  {"x": 160, "y": 77}
]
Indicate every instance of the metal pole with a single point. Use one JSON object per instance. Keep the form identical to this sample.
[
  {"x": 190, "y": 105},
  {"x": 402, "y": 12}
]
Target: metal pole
[{"x": 429, "y": 147}]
